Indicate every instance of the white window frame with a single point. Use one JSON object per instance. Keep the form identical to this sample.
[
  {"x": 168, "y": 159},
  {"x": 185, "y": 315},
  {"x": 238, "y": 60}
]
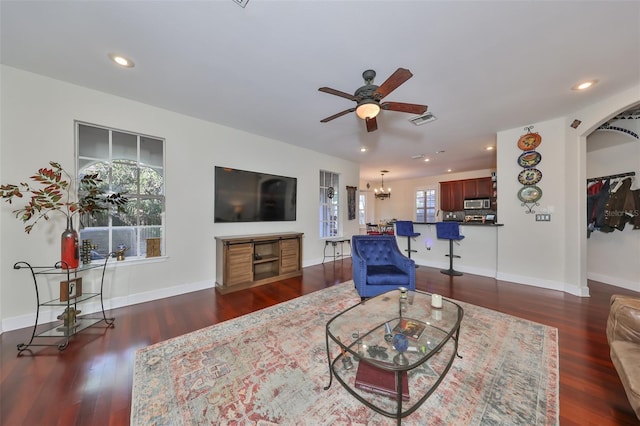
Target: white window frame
[
  {"x": 425, "y": 204},
  {"x": 140, "y": 230},
  {"x": 329, "y": 211},
  {"x": 362, "y": 209}
]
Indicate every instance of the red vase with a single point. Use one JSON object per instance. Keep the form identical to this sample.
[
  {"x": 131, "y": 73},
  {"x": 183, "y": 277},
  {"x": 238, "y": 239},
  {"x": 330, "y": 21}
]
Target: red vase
[{"x": 70, "y": 247}]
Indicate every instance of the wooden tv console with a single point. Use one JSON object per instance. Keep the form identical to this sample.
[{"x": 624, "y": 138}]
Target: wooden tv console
[{"x": 244, "y": 261}]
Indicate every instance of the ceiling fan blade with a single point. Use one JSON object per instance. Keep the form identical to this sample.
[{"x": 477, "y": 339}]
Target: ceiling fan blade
[
  {"x": 402, "y": 107},
  {"x": 339, "y": 93},
  {"x": 372, "y": 124},
  {"x": 340, "y": 114},
  {"x": 392, "y": 83}
]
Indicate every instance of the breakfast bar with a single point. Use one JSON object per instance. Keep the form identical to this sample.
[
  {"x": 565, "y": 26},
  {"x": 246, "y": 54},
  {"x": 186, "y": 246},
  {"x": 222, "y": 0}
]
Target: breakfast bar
[{"x": 478, "y": 251}]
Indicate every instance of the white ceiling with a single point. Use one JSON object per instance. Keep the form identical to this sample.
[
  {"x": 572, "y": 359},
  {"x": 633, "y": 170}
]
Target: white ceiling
[{"x": 480, "y": 66}]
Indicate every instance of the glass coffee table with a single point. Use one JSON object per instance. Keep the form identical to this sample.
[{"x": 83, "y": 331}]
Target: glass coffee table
[{"x": 393, "y": 350}]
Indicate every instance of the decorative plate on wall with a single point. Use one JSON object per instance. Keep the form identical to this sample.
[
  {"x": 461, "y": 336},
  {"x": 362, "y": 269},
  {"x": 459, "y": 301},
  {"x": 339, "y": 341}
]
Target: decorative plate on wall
[
  {"x": 529, "y": 159},
  {"x": 529, "y": 194},
  {"x": 529, "y": 142},
  {"x": 529, "y": 176}
]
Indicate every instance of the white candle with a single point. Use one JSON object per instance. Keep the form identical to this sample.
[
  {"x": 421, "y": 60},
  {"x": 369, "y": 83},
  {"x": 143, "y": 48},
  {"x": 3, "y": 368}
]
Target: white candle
[{"x": 436, "y": 301}]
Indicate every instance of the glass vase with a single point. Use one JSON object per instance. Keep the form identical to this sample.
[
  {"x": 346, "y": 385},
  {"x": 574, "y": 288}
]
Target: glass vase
[{"x": 70, "y": 256}]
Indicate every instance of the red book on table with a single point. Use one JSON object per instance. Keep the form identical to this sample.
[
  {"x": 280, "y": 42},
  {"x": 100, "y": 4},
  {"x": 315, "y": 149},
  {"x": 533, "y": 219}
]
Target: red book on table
[{"x": 382, "y": 382}]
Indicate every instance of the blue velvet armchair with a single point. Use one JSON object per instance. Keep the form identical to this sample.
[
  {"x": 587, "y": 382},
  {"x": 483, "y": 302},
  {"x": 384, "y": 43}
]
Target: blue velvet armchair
[{"x": 379, "y": 266}]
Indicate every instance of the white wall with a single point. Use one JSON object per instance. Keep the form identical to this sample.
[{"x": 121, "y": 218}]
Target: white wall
[
  {"x": 37, "y": 120},
  {"x": 612, "y": 258},
  {"x": 551, "y": 254},
  {"x": 528, "y": 251}
]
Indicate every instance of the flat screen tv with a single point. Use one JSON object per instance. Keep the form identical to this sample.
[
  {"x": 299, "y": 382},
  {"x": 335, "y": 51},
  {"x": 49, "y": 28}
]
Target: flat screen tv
[{"x": 245, "y": 196}]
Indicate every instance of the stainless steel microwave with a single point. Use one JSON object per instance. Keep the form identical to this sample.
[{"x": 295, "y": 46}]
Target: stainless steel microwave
[{"x": 477, "y": 204}]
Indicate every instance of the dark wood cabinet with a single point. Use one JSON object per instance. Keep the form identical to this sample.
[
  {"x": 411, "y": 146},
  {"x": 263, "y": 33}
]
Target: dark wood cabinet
[
  {"x": 445, "y": 196},
  {"x": 470, "y": 188},
  {"x": 453, "y": 193},
  {"x": 451, "y": 196},
  {"x": 457, "y": 196},
  {"x": 477, "y": 188},
  {"x": 485, "y": 188}
]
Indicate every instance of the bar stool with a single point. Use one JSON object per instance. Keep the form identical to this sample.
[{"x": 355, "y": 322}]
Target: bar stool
[
  {"x": 449, "y": 231},
  {"x": 404, "y": 228}
]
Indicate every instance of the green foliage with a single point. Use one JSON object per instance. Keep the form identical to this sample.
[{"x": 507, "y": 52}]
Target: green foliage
[{"x": 54, "y": 193}]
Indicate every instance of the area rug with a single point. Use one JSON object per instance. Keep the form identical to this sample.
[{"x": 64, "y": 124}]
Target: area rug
[{"x": 270, "y": 368}]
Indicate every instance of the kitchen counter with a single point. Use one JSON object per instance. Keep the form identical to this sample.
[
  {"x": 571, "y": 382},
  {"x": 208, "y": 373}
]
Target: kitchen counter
[{"x": 478, "y": 251}]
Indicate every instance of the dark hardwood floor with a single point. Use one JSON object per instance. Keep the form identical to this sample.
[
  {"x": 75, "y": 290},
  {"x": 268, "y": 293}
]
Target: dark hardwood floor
[{"x": 90, "y": 382}]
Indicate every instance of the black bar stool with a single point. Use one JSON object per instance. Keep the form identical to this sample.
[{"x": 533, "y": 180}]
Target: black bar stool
[
  {"x": 404, "y": 228},
  {"x": 449, "y": 231}
]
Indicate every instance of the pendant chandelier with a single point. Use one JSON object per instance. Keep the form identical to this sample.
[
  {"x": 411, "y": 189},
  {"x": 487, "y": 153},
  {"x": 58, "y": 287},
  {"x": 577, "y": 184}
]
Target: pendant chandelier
[{"x": 381, "y": 193}]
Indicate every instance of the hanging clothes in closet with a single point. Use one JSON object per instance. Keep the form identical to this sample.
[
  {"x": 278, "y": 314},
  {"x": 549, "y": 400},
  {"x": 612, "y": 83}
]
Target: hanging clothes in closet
[{"x": 612, "y": 203}]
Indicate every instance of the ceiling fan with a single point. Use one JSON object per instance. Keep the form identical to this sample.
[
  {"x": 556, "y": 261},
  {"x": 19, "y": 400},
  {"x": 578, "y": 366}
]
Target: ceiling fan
[{"x": 369, "y": 96}]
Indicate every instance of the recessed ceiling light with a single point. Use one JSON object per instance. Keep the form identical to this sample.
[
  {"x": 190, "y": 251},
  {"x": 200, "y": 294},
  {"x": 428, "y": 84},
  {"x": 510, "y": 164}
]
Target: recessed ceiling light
[
  {"x": 489, "y": 148},
  {"x": 363, "y": 149},
  {"x": 122, "y": 61},
  {"x": 449, "y": 170},
  {"x": 584, "y": 85},
  {"x": 426, "y": 160}
]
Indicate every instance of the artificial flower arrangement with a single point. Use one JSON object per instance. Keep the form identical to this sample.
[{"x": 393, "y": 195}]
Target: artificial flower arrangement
[{"x": 55, "y": 194}]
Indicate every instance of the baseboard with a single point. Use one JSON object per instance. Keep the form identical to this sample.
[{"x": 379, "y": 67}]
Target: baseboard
[
  {"x": 548, "y": 284},
  {"x": 615, "y": 281},
  {"x": 318, "y": 261},
  {"x": 483, "y": 272},
  {"x": 91, "y": 307}
]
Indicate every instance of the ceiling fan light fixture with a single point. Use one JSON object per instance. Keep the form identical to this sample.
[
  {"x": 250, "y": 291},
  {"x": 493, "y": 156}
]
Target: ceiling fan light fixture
[{"x": 367, "y": 109}]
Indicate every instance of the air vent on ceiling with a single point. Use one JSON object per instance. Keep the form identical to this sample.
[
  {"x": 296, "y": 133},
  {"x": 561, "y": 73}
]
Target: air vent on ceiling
[{"x": 423, "y": 119}]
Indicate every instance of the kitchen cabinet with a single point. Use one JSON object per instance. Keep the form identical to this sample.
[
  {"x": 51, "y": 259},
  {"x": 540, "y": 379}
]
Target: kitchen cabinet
[
  {"x": 477, "y": 188},
  {"x": 470, "y": 188},
  {"x": 451, "y": 196},
  {"x": 485, "y": 188},
  {"x": 453, "y": 193}
]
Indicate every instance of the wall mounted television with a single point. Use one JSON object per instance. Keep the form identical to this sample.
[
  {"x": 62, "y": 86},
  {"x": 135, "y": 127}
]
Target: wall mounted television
[{"x": 246, "y": 196}]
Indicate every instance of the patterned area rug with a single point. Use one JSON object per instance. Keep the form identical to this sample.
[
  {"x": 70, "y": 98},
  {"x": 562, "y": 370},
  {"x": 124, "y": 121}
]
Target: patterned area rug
[{"x": 270, "y": 368}]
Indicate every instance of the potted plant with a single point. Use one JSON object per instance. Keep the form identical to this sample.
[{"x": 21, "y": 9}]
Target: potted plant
[{"x": 53, "y": 192}]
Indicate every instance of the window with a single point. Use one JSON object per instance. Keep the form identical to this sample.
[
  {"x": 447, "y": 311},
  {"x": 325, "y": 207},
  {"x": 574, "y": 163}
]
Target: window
[
  {"x": 329, "y": 204},
  {"x": 426, "y": 205},
  {"x": 362, "y": 209},
  {"x": 130, "y": 164}
]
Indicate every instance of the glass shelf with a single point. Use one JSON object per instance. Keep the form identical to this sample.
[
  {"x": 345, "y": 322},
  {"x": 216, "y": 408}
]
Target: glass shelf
[{"x": 58, "y": 329}]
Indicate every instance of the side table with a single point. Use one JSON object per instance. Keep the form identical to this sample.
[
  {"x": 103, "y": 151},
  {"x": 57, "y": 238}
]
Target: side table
[
  {"x": 334, "y": 243},
  {"x": 71, "y": 296}
]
